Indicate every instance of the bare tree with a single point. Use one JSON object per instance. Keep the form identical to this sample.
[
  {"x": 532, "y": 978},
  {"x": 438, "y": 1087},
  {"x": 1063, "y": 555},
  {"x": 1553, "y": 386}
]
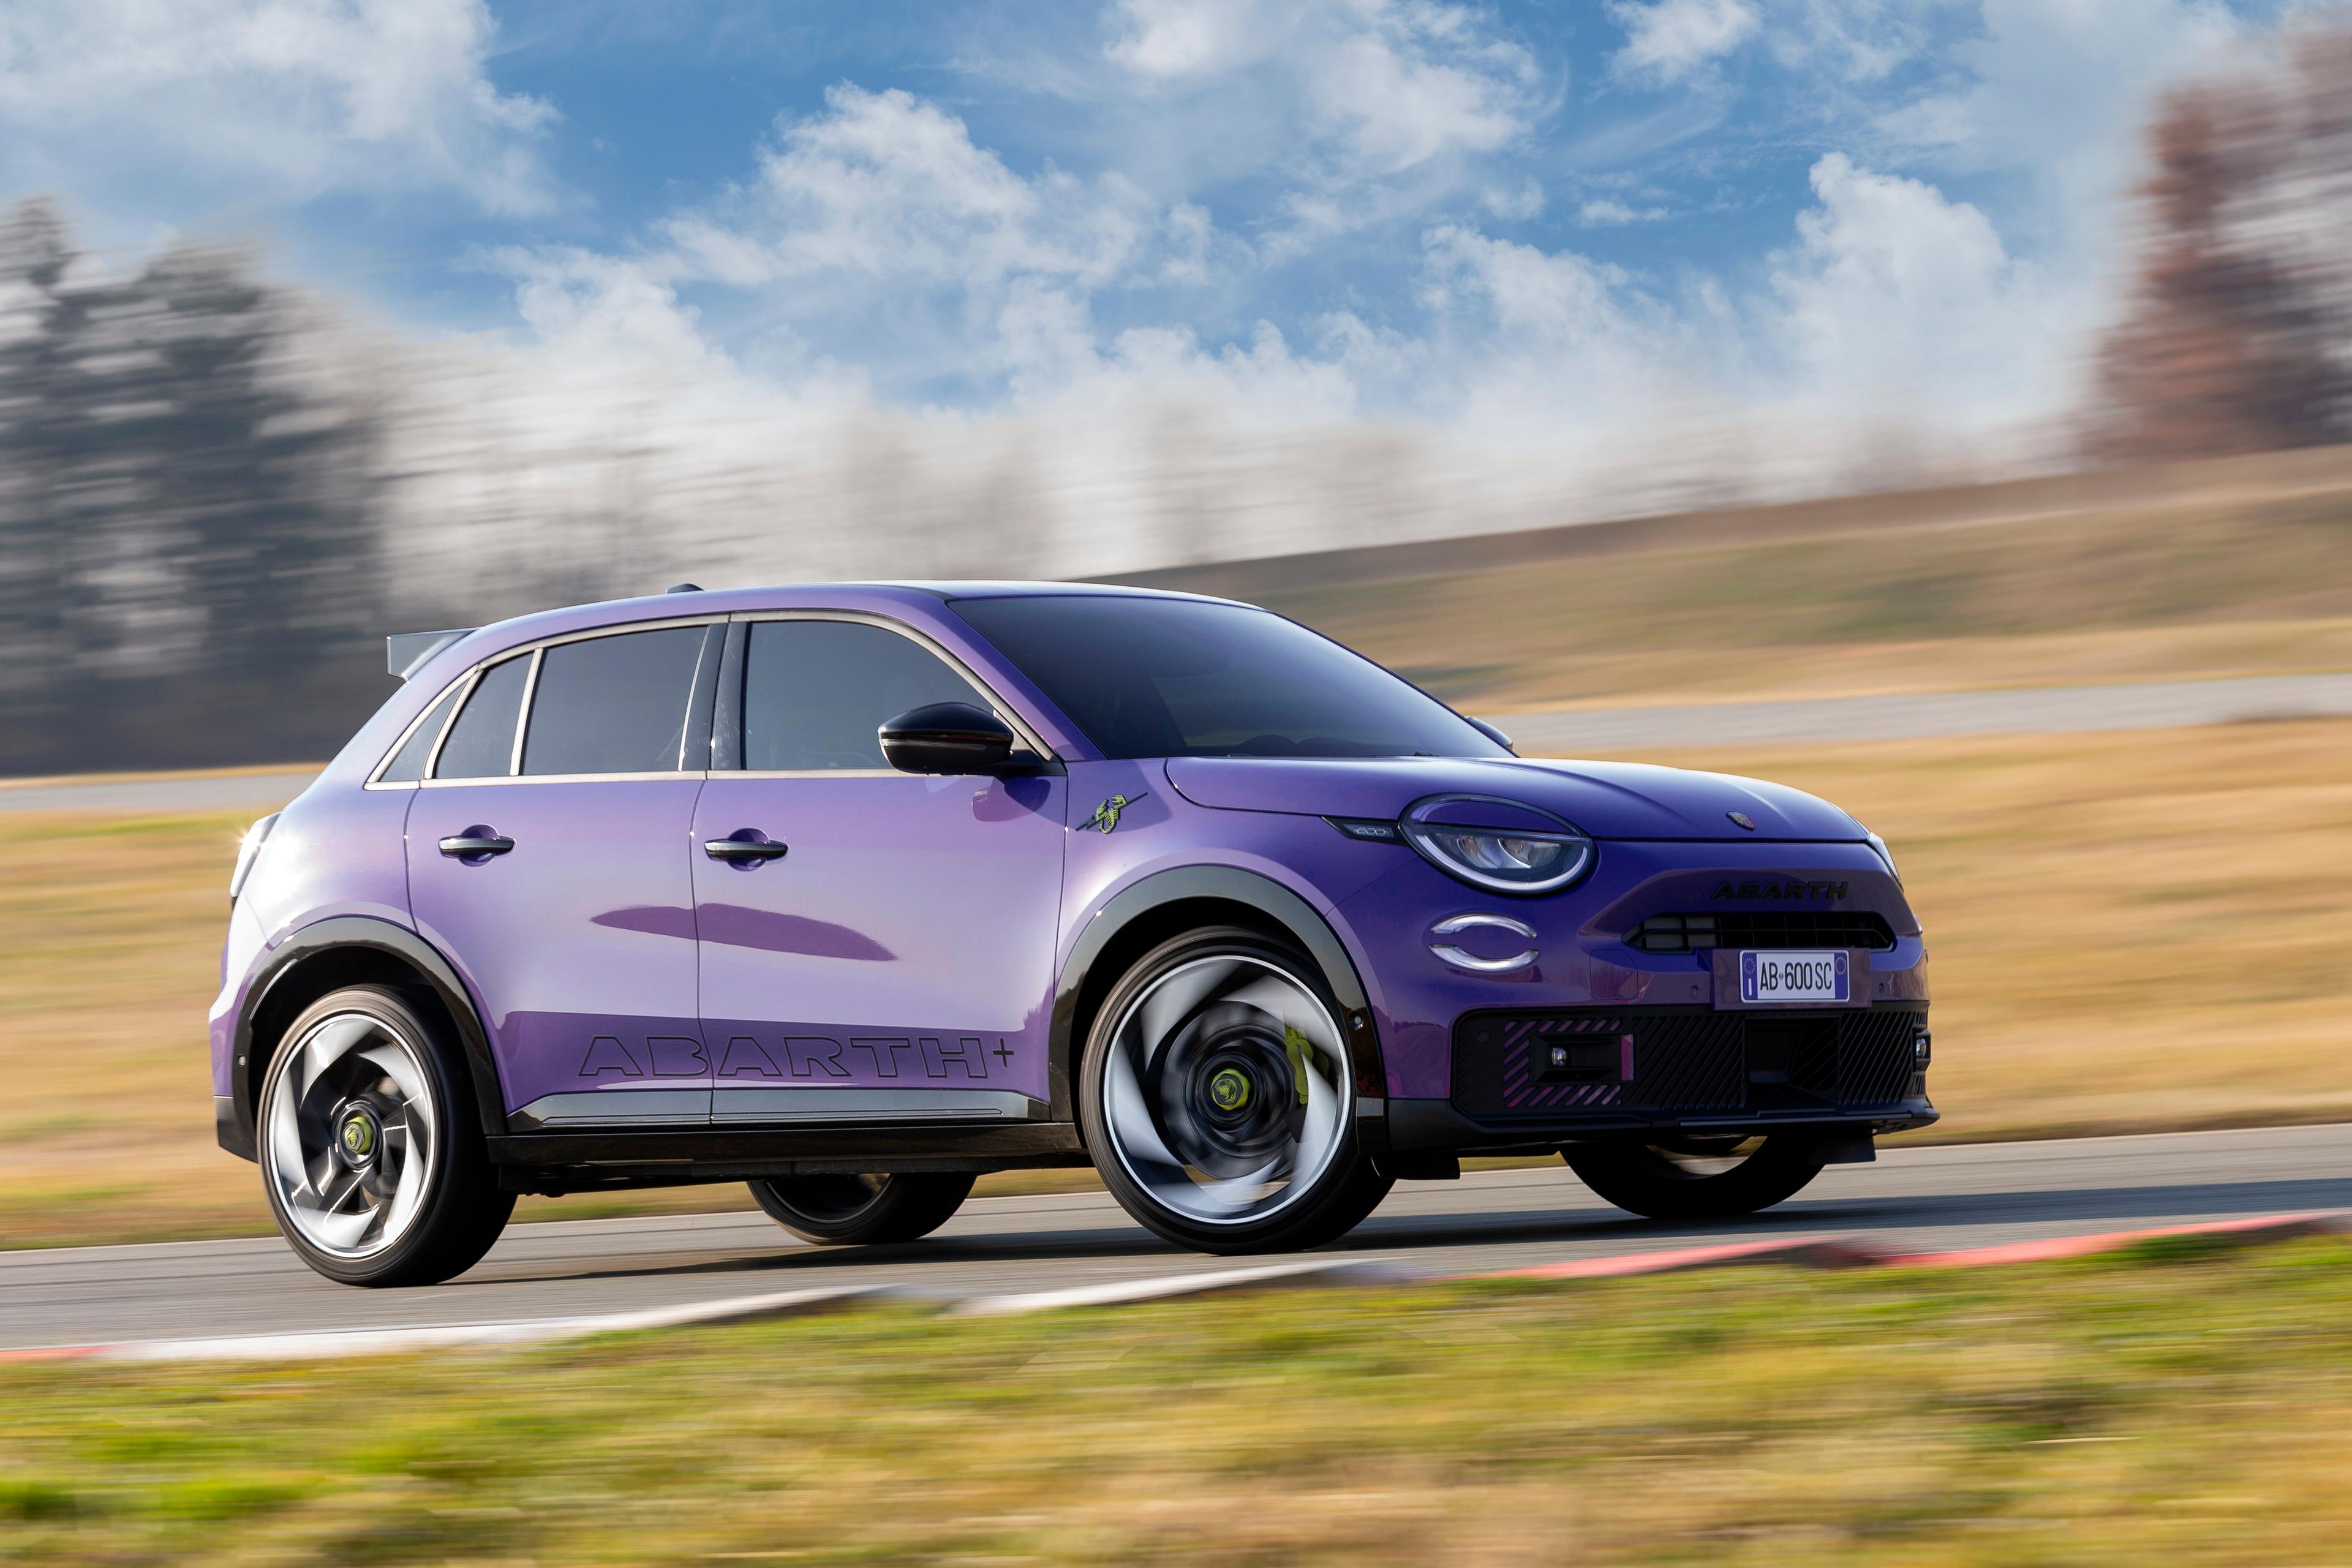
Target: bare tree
[{"x": 2238, "y": 333}]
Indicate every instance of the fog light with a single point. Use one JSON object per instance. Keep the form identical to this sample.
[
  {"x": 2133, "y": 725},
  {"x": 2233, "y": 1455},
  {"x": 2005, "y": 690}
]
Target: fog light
[{"x": 1923, "y": 1047}]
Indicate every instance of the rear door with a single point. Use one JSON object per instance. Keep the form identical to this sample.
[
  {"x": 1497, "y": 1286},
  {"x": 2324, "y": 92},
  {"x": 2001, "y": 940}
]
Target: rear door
[
  {"x": 548, "y": 858},
  {"x": 892, "y": 958}
]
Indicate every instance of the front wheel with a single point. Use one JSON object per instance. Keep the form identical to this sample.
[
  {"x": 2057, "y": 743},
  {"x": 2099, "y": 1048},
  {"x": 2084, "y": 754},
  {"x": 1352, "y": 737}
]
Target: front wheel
[
  {"x": 1696, "y": 1177},
  {"x": 372, "y": 1157},
  {"x": 1217, "y": 1096},
  {"x": 862, "y": 1211}
]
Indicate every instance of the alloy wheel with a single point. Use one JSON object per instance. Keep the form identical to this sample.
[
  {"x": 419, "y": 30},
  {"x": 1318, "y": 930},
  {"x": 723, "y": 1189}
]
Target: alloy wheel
[
  {"x": 350, "y": 1135},
  {"x": 1226, "y": 1090}
]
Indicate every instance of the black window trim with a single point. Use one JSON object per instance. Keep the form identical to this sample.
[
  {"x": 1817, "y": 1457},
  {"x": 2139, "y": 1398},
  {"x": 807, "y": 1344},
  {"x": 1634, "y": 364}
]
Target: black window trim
[
  {"x": 472, "y": 677},
  {"x": 739, "y": 661}
]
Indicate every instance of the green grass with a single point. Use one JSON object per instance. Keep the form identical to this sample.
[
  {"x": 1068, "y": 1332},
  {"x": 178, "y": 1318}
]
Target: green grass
[{"x": 2178, "y": 1405}]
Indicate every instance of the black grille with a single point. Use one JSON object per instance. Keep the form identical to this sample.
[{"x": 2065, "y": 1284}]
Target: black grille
[
  {"x": 1684, "y": 1061},
  {"x": 1795, "y": 928}
]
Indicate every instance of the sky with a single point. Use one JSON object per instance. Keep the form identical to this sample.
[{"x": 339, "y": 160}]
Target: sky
[{"x": 1566, "y": 256}]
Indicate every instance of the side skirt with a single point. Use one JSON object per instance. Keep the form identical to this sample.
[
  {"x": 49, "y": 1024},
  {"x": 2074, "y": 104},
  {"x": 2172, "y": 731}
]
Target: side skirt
[{"x": 555, "y": 1162}]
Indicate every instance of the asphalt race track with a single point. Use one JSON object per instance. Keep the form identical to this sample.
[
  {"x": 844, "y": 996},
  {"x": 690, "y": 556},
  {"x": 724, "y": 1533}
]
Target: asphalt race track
[{"x": 1913, "y": 1200}]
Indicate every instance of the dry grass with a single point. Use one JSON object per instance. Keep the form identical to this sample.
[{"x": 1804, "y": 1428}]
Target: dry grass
[
  {"x": 2176, "y": 1407},
  {"x": 2250, "y": 586},
  {"x": 2126, "y": 931},
  {"x": 2130, "y": 931}
]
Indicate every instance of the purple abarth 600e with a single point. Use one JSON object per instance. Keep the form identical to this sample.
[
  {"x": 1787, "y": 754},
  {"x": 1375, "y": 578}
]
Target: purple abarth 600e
[{"x": 854, "y": 892}]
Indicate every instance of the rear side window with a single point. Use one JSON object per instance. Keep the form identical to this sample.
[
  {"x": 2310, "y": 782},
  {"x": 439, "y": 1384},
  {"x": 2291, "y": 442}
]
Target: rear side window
[
  {"x": 815, "y": 692},
  {"x": 613, "y": 705},
  {"x": 481, "y": 743},
  {"x": 408, "y": 765}
]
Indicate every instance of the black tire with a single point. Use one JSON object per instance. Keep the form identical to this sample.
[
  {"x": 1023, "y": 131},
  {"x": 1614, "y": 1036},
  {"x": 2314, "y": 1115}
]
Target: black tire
[
  {"x": 1695, "y": 1178},
  {"x": 425, "y": 1226},
  {"x": 863, "y": 1211},
  {"x": 1312, "y": 1205}
]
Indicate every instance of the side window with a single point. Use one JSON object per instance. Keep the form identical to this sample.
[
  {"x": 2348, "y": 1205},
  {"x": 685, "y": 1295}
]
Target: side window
[
  {"x": 613, "y": 705},
  {"x": 408, "y": 764},
  {"x": 815, "y": 692},
  {"x": 481, "y": 743}
]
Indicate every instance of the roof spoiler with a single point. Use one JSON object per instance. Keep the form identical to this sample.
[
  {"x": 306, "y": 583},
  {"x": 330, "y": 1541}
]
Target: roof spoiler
[{"x": 404, "y": 651}]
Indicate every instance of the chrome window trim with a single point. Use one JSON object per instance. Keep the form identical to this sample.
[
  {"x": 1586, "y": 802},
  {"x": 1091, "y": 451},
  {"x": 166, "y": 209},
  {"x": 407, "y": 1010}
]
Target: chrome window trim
[
  {"x": 522, "y": 712},
  {"x": 464, "y": 687},
  {"x": 824, "y": 774},
  {"x": 522, "y": 718},
  {"x": 561, "y": 778},
  {"x": 921, "y": 639}
]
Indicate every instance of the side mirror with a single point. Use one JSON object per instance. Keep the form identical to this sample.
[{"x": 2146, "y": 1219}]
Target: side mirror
[{"x": 947, "y": 738}]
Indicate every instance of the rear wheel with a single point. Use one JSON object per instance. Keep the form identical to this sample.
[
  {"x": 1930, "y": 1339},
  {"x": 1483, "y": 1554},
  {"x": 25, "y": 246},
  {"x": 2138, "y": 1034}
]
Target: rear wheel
[
  {"x": 1218, "y": 1098},
  {"x": 1696, "y": 1177},
  {"x": 372, "y": 1154},
  {"x": 864, "y": 1210}
]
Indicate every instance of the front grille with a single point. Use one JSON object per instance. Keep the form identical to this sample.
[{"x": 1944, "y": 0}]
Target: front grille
[
  {"x": 1679, "y": 1061},
  {"x": 1794, "y": 927}
]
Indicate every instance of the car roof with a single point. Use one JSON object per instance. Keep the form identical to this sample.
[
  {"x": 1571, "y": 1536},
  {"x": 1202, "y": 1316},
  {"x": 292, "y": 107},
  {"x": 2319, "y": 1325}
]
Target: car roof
[{"x": 872, "y": 598}]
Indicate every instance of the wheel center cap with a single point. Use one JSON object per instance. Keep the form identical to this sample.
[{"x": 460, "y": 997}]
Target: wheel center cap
[
  {"x": 358, "y": 1137},
  {"x": 1228, "y": 1089}
]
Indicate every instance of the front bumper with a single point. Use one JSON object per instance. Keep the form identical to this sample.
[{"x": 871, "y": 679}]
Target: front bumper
[{"x": 1538, "y": 1078}]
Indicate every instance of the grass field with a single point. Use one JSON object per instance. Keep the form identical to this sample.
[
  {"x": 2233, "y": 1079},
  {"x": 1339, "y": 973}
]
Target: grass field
[
  {"x": 2208, "y": 569},
  {"x": 2128, "y": 931},
  {"x": 2173, "y": 1406}
]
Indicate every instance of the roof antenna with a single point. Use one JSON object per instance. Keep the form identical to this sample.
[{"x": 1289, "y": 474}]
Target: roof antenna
[{"x": 683, "y": 588}]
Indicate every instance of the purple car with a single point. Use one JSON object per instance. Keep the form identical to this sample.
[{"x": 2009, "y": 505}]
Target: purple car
[{"x": 854, "y": 892}]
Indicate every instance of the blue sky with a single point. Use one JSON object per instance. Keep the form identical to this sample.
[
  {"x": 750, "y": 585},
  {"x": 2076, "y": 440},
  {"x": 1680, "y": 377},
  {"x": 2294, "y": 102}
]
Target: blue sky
[{"x": 1565, "y": 224}]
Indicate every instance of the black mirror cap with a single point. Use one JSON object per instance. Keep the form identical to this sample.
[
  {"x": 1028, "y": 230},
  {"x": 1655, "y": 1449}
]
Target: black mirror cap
[{"x": 947, "y": 738}]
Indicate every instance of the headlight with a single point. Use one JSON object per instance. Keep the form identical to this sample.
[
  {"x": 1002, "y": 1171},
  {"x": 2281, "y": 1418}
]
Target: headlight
[
  {"x": 248, "y": 852},
  {"x": 1878, "y": 846},
  {"x": 1497, "y": 845}
]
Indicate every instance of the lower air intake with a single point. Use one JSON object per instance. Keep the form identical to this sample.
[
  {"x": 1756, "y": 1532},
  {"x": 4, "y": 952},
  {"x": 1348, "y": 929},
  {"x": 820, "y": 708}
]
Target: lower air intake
[{"x": 1563, "y": 1064}]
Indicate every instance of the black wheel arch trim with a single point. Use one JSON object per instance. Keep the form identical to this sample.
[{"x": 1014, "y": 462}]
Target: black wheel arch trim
[
  {"x": 235, "y": 1120},
  {"x": 1216, "y": 884}
]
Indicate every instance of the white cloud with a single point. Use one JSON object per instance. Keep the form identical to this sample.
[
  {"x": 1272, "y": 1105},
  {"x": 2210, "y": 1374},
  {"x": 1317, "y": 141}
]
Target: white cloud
[
  {"x": 888, "y": 186},
  {"x": 292, "y": 97},
  {"x": 1669, "y": 40},
  {"x": 1171, "y": 40},
  {"x": 1898, "y": 301},
  {"x": 1608, "y": 212},
  {"x": 1371, "y": 89}
]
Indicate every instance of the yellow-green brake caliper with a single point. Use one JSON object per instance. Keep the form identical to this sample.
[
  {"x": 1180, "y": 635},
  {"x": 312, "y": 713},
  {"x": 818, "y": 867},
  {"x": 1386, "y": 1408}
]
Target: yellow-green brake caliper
[{"x": 1301, "y": 1051}]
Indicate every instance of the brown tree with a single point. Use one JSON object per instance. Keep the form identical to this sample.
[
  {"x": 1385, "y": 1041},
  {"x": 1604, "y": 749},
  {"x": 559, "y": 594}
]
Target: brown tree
[{"x": 2239, "y": 336}]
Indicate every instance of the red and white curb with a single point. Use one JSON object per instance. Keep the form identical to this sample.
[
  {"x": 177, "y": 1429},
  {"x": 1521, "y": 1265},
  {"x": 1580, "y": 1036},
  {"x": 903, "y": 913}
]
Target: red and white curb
[
  {"x": 1223, "y": 1281},
  {"x": 333, "y": 1343},
  {"x": 1827, "y": 1252},
  {"x": 1817, "y": 1252}
]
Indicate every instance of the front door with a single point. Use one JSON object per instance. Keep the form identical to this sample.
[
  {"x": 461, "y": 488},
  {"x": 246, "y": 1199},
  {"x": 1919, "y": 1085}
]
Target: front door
[
  {"x": 889, "y": 955},
  {"x": 548, "y": 858}
]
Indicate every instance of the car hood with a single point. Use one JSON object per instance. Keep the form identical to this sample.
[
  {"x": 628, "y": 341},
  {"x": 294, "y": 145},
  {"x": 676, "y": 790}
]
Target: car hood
[{"x": 1607, "y": 800}]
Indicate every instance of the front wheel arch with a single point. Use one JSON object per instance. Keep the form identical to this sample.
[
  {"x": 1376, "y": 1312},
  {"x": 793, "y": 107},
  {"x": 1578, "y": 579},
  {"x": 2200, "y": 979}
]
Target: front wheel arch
[
  {"x": 1141, "y": 916},
  {"x": 355, "y": 950}
]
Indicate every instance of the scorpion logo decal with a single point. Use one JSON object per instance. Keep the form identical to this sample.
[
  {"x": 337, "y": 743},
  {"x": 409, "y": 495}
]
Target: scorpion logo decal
[{"x": 1106, "y": 816}]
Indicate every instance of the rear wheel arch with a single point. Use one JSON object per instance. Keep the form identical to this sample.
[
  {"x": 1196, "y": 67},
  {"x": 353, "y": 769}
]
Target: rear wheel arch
[
  {"x": 357, "y": 951},
  {"x": 1168, "y": 903}
]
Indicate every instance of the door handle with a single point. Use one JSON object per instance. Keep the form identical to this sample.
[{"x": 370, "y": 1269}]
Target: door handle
[
  {"x": 742, "y": 850},
  {"x": 460, "y": 846}
]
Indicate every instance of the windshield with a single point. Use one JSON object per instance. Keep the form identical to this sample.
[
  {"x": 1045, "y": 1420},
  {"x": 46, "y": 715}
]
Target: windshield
[{"x": 1179, "y": 677}]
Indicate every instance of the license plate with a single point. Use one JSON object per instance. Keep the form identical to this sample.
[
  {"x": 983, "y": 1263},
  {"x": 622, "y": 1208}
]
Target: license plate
[{"x": 1795, "y": 977}]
